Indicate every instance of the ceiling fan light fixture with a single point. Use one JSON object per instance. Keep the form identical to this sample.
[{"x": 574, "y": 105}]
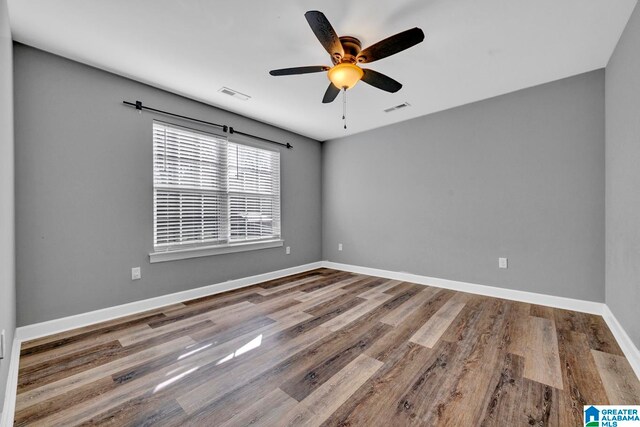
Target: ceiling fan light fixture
[{"x": 345, "y": 75}]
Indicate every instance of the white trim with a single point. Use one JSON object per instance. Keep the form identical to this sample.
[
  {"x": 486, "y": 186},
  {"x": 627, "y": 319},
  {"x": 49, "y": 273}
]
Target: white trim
[
  {"x": 29, "y": 332},
  {"x": 6, "y": 417},
  {"x": 626, "y": 344},
  {"x": 491, "y": 291},
  {"x": 629, "y": 349},
  {"x": 25, "y": 333},
  {"x": 177, "y": 254}
]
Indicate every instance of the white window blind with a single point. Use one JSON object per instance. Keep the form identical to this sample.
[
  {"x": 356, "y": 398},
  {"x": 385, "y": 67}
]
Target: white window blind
[{"x": 212, "y": 192}]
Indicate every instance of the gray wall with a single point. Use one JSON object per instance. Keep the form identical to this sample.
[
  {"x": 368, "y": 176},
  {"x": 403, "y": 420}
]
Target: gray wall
[
  {"x": 623, "y": 179},
  {"x": 7, "y": 258},
  {"x": 519, "y": 176},
  {"x": 84, "y": 199}
]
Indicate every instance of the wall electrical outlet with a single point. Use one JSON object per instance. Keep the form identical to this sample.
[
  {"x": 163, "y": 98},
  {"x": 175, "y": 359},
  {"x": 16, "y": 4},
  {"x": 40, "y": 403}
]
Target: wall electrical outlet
[
  {"x": 339, "y": 246},
  {"x": 288, "y": 250},
  {"x": 136, "y": 274},
  {"x": 502, "y": 263}
]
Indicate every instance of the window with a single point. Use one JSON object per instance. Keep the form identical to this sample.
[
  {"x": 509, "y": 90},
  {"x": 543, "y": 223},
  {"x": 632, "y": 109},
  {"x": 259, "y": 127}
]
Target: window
[{"x": 213, "y": 194}]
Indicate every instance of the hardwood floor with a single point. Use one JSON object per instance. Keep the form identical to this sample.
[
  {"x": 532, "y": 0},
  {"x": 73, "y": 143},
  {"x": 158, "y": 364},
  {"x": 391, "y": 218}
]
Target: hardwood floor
[{"x": 328, "y": 348}]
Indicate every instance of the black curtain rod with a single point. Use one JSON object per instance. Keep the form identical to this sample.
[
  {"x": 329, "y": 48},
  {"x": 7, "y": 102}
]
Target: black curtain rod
[
  {"x": 138, "y": 106},
  {"x": 233, "y": 131}
]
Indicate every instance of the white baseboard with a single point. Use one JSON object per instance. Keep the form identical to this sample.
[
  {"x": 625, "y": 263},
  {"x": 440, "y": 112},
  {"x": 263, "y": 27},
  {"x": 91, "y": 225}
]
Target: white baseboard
[
  {"x": 25, "y": 333},
  {"x": 491, "y": 291},
  {"x": 630, "y": 351},
  {"x": 626, "y": 344},
  {"x": 6, "y": 417},
  {"x": 29, "y": 332}
]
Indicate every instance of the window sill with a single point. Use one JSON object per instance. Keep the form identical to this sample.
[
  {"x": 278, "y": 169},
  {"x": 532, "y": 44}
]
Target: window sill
[{"x": 212, "y": 250}]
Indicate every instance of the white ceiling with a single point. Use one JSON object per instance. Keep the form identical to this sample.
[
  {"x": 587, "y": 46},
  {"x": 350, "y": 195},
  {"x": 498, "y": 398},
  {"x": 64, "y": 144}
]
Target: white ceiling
[{"x": 473, "y": 50}]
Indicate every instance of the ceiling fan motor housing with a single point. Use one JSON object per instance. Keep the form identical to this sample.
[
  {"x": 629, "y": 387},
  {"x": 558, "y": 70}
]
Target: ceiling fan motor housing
[{"x": 352, "y": 47}]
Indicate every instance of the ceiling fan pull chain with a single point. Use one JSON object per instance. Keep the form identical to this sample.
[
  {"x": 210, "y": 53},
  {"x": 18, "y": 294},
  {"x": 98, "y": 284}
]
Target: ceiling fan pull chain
[{"x": 344, "y": 106}]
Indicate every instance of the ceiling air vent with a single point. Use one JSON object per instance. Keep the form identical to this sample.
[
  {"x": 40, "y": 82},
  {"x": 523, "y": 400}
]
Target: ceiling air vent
[
  {"x": 397, "y": 107},
  {"x": 234, "y": 93}
]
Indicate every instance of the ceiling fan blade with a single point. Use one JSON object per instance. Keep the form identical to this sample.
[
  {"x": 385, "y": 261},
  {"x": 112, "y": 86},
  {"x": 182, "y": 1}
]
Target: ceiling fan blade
[
  {"x": 391, "y": 45},
  {"x": 299, "y": 70},
  {"x": 325, "y": 34},
  {"x": 380, "y": 81},
  {"x": 331, "y": 94}
]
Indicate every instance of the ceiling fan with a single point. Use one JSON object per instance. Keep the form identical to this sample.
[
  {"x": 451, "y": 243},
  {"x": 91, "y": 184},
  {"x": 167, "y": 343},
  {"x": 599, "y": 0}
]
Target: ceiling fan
[{"x": 346, "y": 53}]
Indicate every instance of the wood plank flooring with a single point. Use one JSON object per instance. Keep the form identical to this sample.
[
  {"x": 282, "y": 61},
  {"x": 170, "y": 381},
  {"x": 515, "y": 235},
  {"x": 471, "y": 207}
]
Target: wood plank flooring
[{"x": 328, "y": 348}]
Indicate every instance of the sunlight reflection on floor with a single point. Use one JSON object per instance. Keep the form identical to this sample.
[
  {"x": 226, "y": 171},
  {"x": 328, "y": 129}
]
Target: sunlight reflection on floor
[
  {"x": 194, "y": 351},
  {"x": 174, "y": 379},
  {"x": 254, "y": 343}
]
